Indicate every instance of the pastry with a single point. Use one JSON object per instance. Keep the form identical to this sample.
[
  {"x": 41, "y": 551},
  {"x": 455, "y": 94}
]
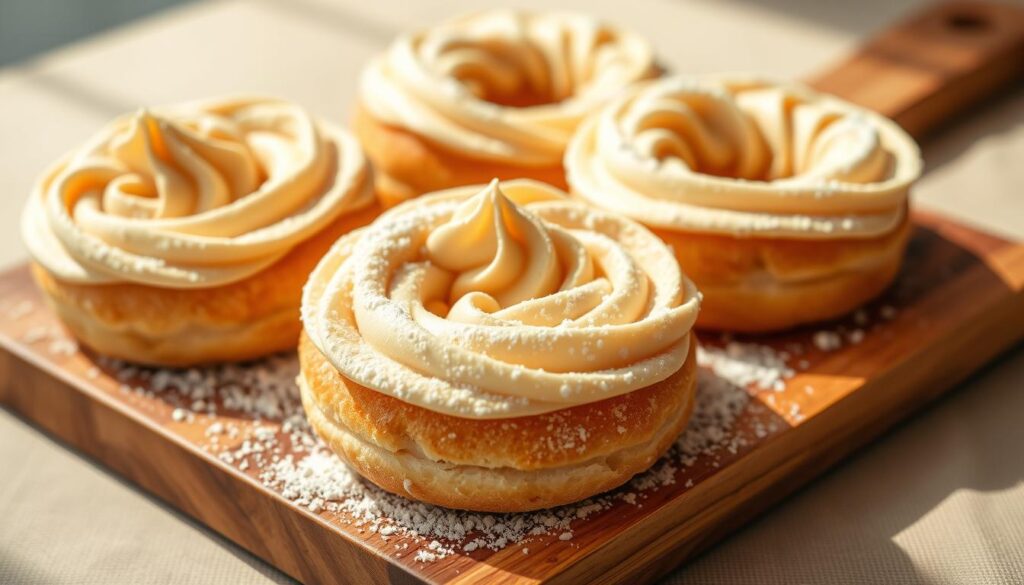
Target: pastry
[
  {"x": 784, "y": 205},
  {"x": 498, "y": 348},
  {"x": 493, "y": 94},
  {"x": 183, "y": 235}
]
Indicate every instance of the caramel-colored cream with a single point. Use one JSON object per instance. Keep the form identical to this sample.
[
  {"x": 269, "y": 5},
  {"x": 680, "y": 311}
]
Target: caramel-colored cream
[
  {"x": 744, "y": 156},
  {"x": 193, "y": 196},
  {"x": 503, "y": 85},
  {"x": 499, "y": 301}
]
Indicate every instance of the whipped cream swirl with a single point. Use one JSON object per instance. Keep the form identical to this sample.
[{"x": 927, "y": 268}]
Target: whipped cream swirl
[
  {"x": 501, "y": 301},
  {"x": 193, "y": 196},
  {"x": 744, "y": 156},
  {"x": 503, "y": 85}
]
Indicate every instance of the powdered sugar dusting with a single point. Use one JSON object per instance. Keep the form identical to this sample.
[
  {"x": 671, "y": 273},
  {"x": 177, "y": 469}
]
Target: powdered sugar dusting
[
  {"x": 255, "y": 423},
  {"x": 252, "y": 420},
  {"x": 250, "y": 417},
  {"x": 746, "y": 364}
]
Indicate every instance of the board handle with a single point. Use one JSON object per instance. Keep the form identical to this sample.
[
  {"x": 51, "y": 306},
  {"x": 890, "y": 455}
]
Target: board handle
[{"x": 933, "y": 65}]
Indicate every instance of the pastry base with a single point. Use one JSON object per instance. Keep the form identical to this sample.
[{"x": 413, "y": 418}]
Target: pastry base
[
  {"x": 183, "y": 327},
  {"x": 756, "y": 285},
  {"x": 497, "y": 465},
  {"x": 407, "y": 165}
]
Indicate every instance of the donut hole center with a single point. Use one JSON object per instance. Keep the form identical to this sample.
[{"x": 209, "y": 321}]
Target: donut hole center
[
  {"x": 763, "y": 144},
  {"x": 504, "y": 73}
]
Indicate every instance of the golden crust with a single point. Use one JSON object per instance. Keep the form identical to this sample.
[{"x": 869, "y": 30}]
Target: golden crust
[
  {"x": 179, "y": 327},
  {"x": 515, "y": 464},
  {"x": 760, "y": 284},
  {"x": 407, "y": 165}
]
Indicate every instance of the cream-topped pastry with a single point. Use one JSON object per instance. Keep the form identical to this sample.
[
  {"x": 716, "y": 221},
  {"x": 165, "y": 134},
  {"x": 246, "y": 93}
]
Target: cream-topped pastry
[
  {"x": 496, "y": 305},
  {"x": 504, "y": 89},
  {"x": 744, "y": 156},
  {"x": 770, "y": 192},
  {"x": 191, "y": 196},
  {"x": 194, "y": 198}
]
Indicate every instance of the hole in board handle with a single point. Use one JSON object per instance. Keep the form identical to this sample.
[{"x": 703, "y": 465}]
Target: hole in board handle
[{"x": 967, "y": 22}]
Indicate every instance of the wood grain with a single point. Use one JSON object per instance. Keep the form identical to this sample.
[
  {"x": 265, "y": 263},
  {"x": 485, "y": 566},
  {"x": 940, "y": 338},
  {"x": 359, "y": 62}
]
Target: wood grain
[
  {"x": 934, "y": 65},
  {"x": 959, "y": 302}
]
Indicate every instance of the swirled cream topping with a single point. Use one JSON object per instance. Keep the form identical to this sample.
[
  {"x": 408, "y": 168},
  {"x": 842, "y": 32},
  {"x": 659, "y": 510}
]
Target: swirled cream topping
[
  {"x": 744, "y": 156},
  {"x": 501, "y": 301},
  {"x": 504, "y": 85},
  {"x": 193, "y": 196}
]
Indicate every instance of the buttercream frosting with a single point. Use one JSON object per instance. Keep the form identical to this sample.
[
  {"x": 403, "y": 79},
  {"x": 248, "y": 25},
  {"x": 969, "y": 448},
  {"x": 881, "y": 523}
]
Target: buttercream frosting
[
  {"x": 192, "y": 196},
  {"x": 503, "y": 85},
  {"x": 744, "y": 156},
  {"x": 500, "y": 301}
]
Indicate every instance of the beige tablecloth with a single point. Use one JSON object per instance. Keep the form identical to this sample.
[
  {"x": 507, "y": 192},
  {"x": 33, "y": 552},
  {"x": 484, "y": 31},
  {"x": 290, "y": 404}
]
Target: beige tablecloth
[{"x": 938, "y": 500}]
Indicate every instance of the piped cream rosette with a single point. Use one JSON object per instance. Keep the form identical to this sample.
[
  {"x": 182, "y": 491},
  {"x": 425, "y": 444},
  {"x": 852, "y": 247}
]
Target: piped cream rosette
[
  {"x": 501, "y": 301},
  {"x": 193, "y": 196},
  {"x": 503, "y": 85},
  {"x": 745, "y": 156}
]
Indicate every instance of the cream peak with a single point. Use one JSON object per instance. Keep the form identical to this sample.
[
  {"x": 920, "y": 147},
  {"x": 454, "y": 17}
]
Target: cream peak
[{"x": 495, "y": 247}]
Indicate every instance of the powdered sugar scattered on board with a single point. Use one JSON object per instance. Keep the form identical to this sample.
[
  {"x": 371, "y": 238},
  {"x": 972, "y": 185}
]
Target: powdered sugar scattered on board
[
  {"x": 19, "y": 310},
  {"x": 827, "y": 340},
  {"x": 272, "y": 441},
  {"x": 746, "y": 364},
  {"x": 255, "y": 423}
]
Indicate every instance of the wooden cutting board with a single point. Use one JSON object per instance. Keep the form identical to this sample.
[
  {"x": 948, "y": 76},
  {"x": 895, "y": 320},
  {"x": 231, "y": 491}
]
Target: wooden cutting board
[{"x": 958, "y": 303}]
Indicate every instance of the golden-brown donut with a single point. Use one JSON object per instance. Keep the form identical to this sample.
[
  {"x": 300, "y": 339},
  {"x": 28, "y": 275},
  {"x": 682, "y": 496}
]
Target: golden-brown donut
[
  {"x": 184, "y": 235},
  {"x": 505, "y": 465},
  {"x": 784, "y": 205},
  {"x": 181, "y": 327},
  {"x": 492, "y": 94},
  {"x": 498, "y": 348},
  {"x": 763, "y": 284}
]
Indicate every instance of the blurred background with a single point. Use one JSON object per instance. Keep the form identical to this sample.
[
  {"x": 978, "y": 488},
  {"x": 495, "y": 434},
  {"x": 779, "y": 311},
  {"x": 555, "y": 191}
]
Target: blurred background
[{"x": 29, "y": 27}]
